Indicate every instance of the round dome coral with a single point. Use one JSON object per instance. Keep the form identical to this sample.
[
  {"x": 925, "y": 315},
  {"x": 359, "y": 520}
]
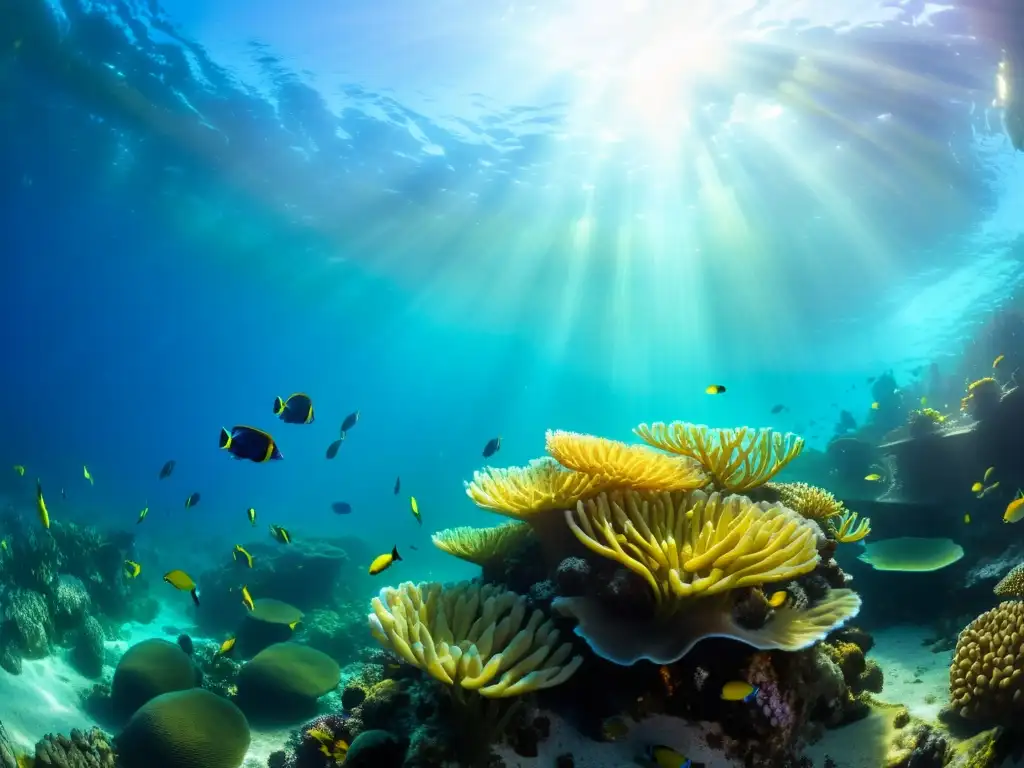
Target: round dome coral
[{"x": 986, "y": 679}]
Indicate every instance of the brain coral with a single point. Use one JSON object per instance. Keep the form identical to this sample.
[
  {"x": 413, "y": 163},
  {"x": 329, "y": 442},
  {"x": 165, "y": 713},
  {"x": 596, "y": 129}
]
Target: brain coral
[
  {"x": 287, "y": 678},
  {"x": 986, "y": 679},
  {"x": 148, "y": 669},
  {"x": 184, "y": 729}
]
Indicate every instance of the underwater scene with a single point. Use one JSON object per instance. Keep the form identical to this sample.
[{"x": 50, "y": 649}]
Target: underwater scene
[{"x": 607, "y": 384}]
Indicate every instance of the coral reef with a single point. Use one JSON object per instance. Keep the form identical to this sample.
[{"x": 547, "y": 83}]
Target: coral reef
[
  {"x": 481, "y": 545},
  {"x": 986, "y": 680},
  {"x": 284, "y": 681},
  {"x": 89, "y": 749},
  {"x": 149, "y": 669},
  {"x": 87, "y": 652},
  {"x": 338, "y": 633},
  {"x": 270, "y": 621}
]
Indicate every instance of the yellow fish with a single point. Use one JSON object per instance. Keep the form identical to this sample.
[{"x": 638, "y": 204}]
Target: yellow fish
[
  {"x": 778, "y": 599},
  {"x": 1015, "y": 509},
  {"x": 20, "y": 470},
  {"x": 924, "y": 400},
  {"x": 247, "y": 598},
  {"x": 320, "y": 735},
  {"x": 714, "y": 389},
  {"x": 44, "y": 514},
  {"x": 998, "y": 360},
  {"x": 226, "y": 647},
  {"x": 415, "y": 509},
  {"x": 181, "y": 580},
  {"x": 142, "y": 515},
  {"x": 977, "y": 487},
  {"x": 240, "y": 550},
  {"x": 875, "y": 406},
  {"x": 131, "y": 569},
  {"x": 383, "y": 562},
  {"x": 280, "y": 534},
  {"x": 85, "y": 473},
  {"x": 874, "y": 477},
  {"x": 251, "y": 514},
  {"x": 967, "y": 518},
  {"x": 739, "y": 690},
  {"x": 988, "y": 474},
  {"x": 666, "y": 757}
]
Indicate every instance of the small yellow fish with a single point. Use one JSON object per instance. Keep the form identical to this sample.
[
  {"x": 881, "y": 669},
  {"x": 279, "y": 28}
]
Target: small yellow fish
[
  {"x": 924, "y": 400},
  {"x": 240, "y": 550},
  {"x": 247, "y": 598},
  {"x": 998, "y": 360},
  {"x": 778, "y": 599},
  {"x": 142, "y": 515},
  {"x": 666, "y": 757},
  {"x": 131, "y": 569},
  {"x": 44, "y": 514},
  {"x": 226, "y": 647},
  {"x": 280, "y": 534},
  {"x": 320, "y": 735},
  {"x": 875, "y": 406},
  {"x": 294, "y": 624},
  {"x": 415, "y": 509},
  {"x": 977, "y": 488},
  {"x": 1015, "y": 509},
  {"x": 85, "y": 473},
  {"x": 874, "y": 477},
  {"x": 967, "y": 518},
  {"x": 20, "y": 470},
  {"x": 739, "y": 690},
  {"x": 988, "y": 474},
  {"x": 251, "y": 514},
  {"x": 714, "y": 389},
  {"x": 383, "y": 562},
  {"x": 181, "y": 580}
]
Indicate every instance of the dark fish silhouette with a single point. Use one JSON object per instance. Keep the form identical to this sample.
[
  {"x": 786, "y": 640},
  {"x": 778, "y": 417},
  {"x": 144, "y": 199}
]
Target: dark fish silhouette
[
  {"x": 341, "y": 508},
  {"x": 332, "y": 449},
  {"x": 778, "y": 408},
  {"x": 349, "y": 422},
  {"x": 398, "y": 485},
  {"x": 492, "y": 447},
  {"x": 192, "y": 500},
  {"x": 297, "y": 409},
  {"x": 166, "y": 469},
  {"x": 249, "y": 443}
]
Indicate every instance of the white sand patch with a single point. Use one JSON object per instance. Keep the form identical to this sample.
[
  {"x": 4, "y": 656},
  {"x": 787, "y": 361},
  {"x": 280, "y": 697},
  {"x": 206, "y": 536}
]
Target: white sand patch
[
  {"x": 688, "y": 738},
  {"x": 914, "y": 676},
  {"x": 862, "y": 744}
]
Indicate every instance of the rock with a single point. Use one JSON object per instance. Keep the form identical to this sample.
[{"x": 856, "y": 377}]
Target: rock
[{"x": 375, "y": 749}]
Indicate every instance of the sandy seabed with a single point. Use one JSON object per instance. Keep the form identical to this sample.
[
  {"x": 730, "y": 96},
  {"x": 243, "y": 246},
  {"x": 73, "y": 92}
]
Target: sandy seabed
[{"x": 43, "y": 699}]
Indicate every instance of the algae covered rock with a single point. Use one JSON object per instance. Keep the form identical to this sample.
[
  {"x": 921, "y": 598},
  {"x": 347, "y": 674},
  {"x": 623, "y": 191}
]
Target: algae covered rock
[
  {"x": 285, "y": 680},
  {"x": 149, "y": 669},
  {"x": 375, "y": 749},
  {"x": 185, "y": 729}
]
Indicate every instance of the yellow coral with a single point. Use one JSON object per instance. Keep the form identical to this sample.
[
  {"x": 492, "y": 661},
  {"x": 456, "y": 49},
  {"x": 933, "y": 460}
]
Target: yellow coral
[
  {"x": 481, "y": 545},
  {"x": 736, "y": 459},
  {"x": 473, "y": 637},
  {"x": 809, "y": 500},
  {"x": 1012, "y": 584},
  {"x": 630, "y": 466},
  {"x": 521, "y": 492},
  {"x": 986, "y": 679},
  {"x": 850, "y": 530},
  {"x": 690, "y": 544}
]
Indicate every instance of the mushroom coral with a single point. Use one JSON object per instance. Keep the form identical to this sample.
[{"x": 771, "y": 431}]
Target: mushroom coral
[
  {"x": 481, "y": 545},
  {"x": 694, "y": 550},
  {"x": 911, "y": 554},
  {"x": 523, "y": 492},
  {"x": 986, "y": 678},
  {"x": 736, "y": 459}
]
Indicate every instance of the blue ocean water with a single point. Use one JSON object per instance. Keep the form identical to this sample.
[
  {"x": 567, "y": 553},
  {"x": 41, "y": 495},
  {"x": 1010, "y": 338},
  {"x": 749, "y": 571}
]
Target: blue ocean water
[{"x": 466, "y": 221}]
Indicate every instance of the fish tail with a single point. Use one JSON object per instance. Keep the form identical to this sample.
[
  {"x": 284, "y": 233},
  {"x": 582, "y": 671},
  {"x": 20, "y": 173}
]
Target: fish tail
[
  {"x": 195, "y": 595},
  {"x": 394, "y": 554},
  {"x": 278, "y": 405},
  {"x": 225, "y": 439}
]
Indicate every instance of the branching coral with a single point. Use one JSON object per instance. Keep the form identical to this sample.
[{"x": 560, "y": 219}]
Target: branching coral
[
  {"x": 736, "y": 459},
  {"x": 1012, "y": 584},
  {"x": 693, "y": 550},
  {"x": 850, "y": 530},
  {"x": 809, "y": 500},
  {"x": 472, "y": 636},
  {"x": 624, "y": 466},
  {"x": 986, "y": 679},
  {"x": 522, "y": 492},
  {"x": 481, "y": 545}
]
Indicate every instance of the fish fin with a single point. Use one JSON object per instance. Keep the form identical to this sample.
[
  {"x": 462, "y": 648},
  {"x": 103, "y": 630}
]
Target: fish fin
[
  {"x": 225, "y": 438},
  {"x": 394, "y": 553},
  {"x": 195, "y": 595},
  {"x": 278, "y": 406}
]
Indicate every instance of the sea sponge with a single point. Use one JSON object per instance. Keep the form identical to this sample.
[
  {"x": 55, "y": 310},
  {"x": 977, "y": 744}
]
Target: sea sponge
[
  {"x": 986, "y": 678},
  {"x": 809, "y": 500},
  {"x": 522, "y": 492},
  {"x": 286, "y": 679},
  {"x": 693, "y": 550},
  {"x": 149, "y": 669},
  {"x": 185, "y": 729},
  {"x": 622, "y": 465},
  {"x": 472, "y": 636},
  {"x": 735, "y": 459},
  {"x": 1012, "y": 584},
  {"x": 482, "y": 545}
]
